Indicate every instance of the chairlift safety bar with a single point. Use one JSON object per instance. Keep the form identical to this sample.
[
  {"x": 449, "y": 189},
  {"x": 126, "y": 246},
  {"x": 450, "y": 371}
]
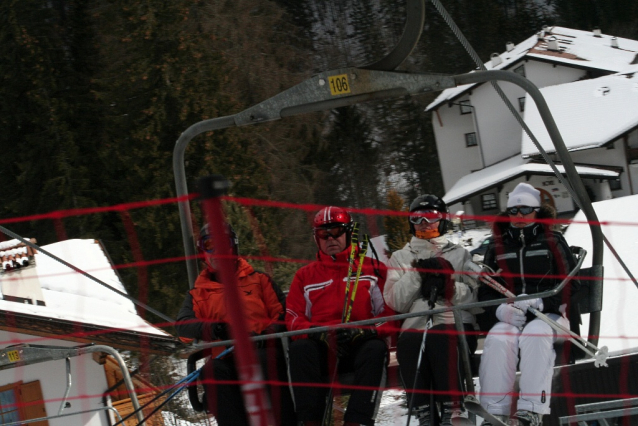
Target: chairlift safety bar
[
  {"x": 27, "y": 354},
  {"x": 582, "y": 254}
]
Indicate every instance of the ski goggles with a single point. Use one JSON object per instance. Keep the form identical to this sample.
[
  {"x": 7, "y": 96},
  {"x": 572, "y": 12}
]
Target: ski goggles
[
  {"x": 430, "y": 216},
  {"x": 525, "y": 210},
  {"x": 205, "y": 244},
  {"x": 334, "y": 232}
]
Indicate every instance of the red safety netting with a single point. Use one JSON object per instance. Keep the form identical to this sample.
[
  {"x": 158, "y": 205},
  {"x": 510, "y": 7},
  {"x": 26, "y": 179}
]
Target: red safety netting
[{"x": 147, "y": 347}]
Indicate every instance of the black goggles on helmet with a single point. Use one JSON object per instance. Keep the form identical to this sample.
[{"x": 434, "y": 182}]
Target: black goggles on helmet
[
  {"x": 513, "y": 211},
  {"x": 430, "y": 216},
  {"x": 334, "y": 231}
]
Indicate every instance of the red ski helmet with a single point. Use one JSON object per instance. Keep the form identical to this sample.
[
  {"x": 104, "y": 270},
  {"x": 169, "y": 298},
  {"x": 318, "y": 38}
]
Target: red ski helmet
[{"x": 332, "y": 218}]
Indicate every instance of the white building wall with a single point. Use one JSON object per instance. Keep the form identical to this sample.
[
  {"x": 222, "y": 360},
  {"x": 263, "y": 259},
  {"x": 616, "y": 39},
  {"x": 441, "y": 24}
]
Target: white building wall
[
  {"x": 543, "y": 74},
  {"x": 607, "y": 157},
  {"x": 498, "y": 131},
  {"x": 88, "y": 382},
  {"x": 456, "y": 159}
]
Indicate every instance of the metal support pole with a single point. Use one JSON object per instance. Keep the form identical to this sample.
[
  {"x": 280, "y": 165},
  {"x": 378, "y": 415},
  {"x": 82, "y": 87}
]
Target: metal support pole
[
  {"x": 68, "y": 385},
  {"x": 248, "y": 367}
]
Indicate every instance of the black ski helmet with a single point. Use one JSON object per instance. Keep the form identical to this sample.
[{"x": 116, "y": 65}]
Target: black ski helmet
[{"x": 431, "y": 202}]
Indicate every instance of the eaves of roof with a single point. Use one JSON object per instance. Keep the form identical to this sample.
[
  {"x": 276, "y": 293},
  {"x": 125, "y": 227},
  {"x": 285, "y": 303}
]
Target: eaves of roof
[
  {"x": 584, "y": 170},
  {"x": 86, "y": 333}
]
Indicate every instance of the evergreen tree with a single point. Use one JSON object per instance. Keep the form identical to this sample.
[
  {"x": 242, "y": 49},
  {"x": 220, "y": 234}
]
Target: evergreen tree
[
  {"x": 616, "y": 17},
  {"x": 397, "y": 228},
  {"x": 49, "y": 116}
]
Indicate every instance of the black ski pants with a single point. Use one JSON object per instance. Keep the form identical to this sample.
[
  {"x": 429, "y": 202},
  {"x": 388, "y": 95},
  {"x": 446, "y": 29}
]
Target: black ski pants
[
  {"x": 225, "y": 400},
  {"x": 309, "y": 362},
  {"x": 440, "y": 366}
]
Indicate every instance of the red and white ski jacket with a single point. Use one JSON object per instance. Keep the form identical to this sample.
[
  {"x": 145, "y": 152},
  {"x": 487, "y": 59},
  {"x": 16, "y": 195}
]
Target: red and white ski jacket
[{"x": 317, "y": 294}]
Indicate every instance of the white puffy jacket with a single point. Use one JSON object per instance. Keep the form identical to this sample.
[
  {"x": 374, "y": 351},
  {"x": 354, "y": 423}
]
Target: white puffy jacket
[{"x": 403, "y": 286}]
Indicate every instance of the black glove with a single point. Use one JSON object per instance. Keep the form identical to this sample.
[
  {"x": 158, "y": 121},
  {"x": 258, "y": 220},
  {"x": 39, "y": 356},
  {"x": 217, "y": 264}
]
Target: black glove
[
  {"x": 274, "y": 327},
  {"x": 347, "y": 336},
  {"x": 323, "y": 338},
  {"x": 432, "y": 279},
  {"x": 219, "y": 331}
]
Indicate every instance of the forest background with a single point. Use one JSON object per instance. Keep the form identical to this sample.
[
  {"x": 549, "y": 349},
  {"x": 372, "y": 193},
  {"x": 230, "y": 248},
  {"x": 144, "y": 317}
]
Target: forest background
[{"x": 95, "y": 93}]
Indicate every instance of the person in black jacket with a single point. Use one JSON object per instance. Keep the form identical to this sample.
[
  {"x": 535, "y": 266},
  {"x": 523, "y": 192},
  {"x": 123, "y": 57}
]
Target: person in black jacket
[{"x": 532, "y": 258}]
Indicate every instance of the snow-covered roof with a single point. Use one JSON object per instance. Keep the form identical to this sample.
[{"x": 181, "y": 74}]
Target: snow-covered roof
[
  {"x": 507, "y": 170},
  {"x": 618, "y": 328},
  {"x": 576, "y": 48},
  {"x": 71, "y": 296},
  {"x": 588, "y": 113}
]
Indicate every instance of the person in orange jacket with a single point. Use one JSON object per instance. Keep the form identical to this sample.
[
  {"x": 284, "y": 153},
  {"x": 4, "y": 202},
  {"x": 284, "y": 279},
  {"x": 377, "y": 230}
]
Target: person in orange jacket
[{"x": 203, "y": 316}]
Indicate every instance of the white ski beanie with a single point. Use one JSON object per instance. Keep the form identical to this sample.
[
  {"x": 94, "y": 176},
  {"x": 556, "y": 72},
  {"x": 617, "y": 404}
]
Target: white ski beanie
[{"x": 524, "y": 195}]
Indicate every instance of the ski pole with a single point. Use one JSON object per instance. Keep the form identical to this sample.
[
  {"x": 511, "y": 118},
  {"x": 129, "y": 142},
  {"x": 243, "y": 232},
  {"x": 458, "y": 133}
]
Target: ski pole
[
  {"x": 354, "y": 243},
  {"x": 599, "y": 355},
  {"x": 431, "y": 302},
  {"x": 181, "y": 383},
  {"x": 362, "y": 256},
  {"x": 159, "y": 406}
]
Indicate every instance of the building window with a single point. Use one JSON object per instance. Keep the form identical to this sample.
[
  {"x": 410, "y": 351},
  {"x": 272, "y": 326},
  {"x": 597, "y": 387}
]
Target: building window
[
  {"x": 615, "y": 185},
  {"x": 8, "y": 405},
  {"x": 520, "y": 70},
  {"x": 22, "y": 401},
  {"x": 611, "y": 146},
  {"x": 489, "y": 201},
  {"x": 521, "y": 104},
  {"x": 470, "y": 139},
  {"x": 466, "y": 107}
]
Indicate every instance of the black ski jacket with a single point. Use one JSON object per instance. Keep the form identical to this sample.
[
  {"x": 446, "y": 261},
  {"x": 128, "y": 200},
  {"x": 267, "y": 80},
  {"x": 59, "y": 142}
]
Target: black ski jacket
[{"x": 533, "y": 259}]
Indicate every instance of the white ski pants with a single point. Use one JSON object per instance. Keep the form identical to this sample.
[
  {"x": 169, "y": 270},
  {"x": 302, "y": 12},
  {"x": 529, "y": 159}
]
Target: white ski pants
[{"x": 497, "y": 371}]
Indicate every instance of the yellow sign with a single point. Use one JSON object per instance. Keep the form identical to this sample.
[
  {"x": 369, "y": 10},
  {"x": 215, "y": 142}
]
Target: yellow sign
[
  {"x": 14, "y": 356},
  {"x": 339, "y": 84}
]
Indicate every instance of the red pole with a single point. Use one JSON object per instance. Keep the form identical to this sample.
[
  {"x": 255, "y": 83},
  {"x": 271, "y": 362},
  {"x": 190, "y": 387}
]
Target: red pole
[{"x": 248, "y": 368}]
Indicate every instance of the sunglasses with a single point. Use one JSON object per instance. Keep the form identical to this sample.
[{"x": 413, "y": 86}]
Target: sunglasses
[
  {"x": 430, "y": 216},
  {"x": 523, "y": 209},
  {"x": 334, "y": 232}
]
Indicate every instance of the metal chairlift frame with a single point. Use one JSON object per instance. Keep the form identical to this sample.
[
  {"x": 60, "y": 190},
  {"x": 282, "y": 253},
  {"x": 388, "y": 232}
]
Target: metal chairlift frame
[
  {"x": 351, "y": 85},
  {"x": 27, "y": 354}
]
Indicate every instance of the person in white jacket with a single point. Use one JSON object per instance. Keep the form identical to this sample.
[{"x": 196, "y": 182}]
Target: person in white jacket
[{"x": 429, "y": 270}]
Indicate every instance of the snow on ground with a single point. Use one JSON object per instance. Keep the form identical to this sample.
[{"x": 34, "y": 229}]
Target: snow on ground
[
  {"x": 618, "y": 328},
  {"x": 393, "y": 410}
]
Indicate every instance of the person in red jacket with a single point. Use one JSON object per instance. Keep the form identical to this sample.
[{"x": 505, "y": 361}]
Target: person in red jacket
[
  {"x": 203, "y": 317},
  {"x": 316, "y": 298}
]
